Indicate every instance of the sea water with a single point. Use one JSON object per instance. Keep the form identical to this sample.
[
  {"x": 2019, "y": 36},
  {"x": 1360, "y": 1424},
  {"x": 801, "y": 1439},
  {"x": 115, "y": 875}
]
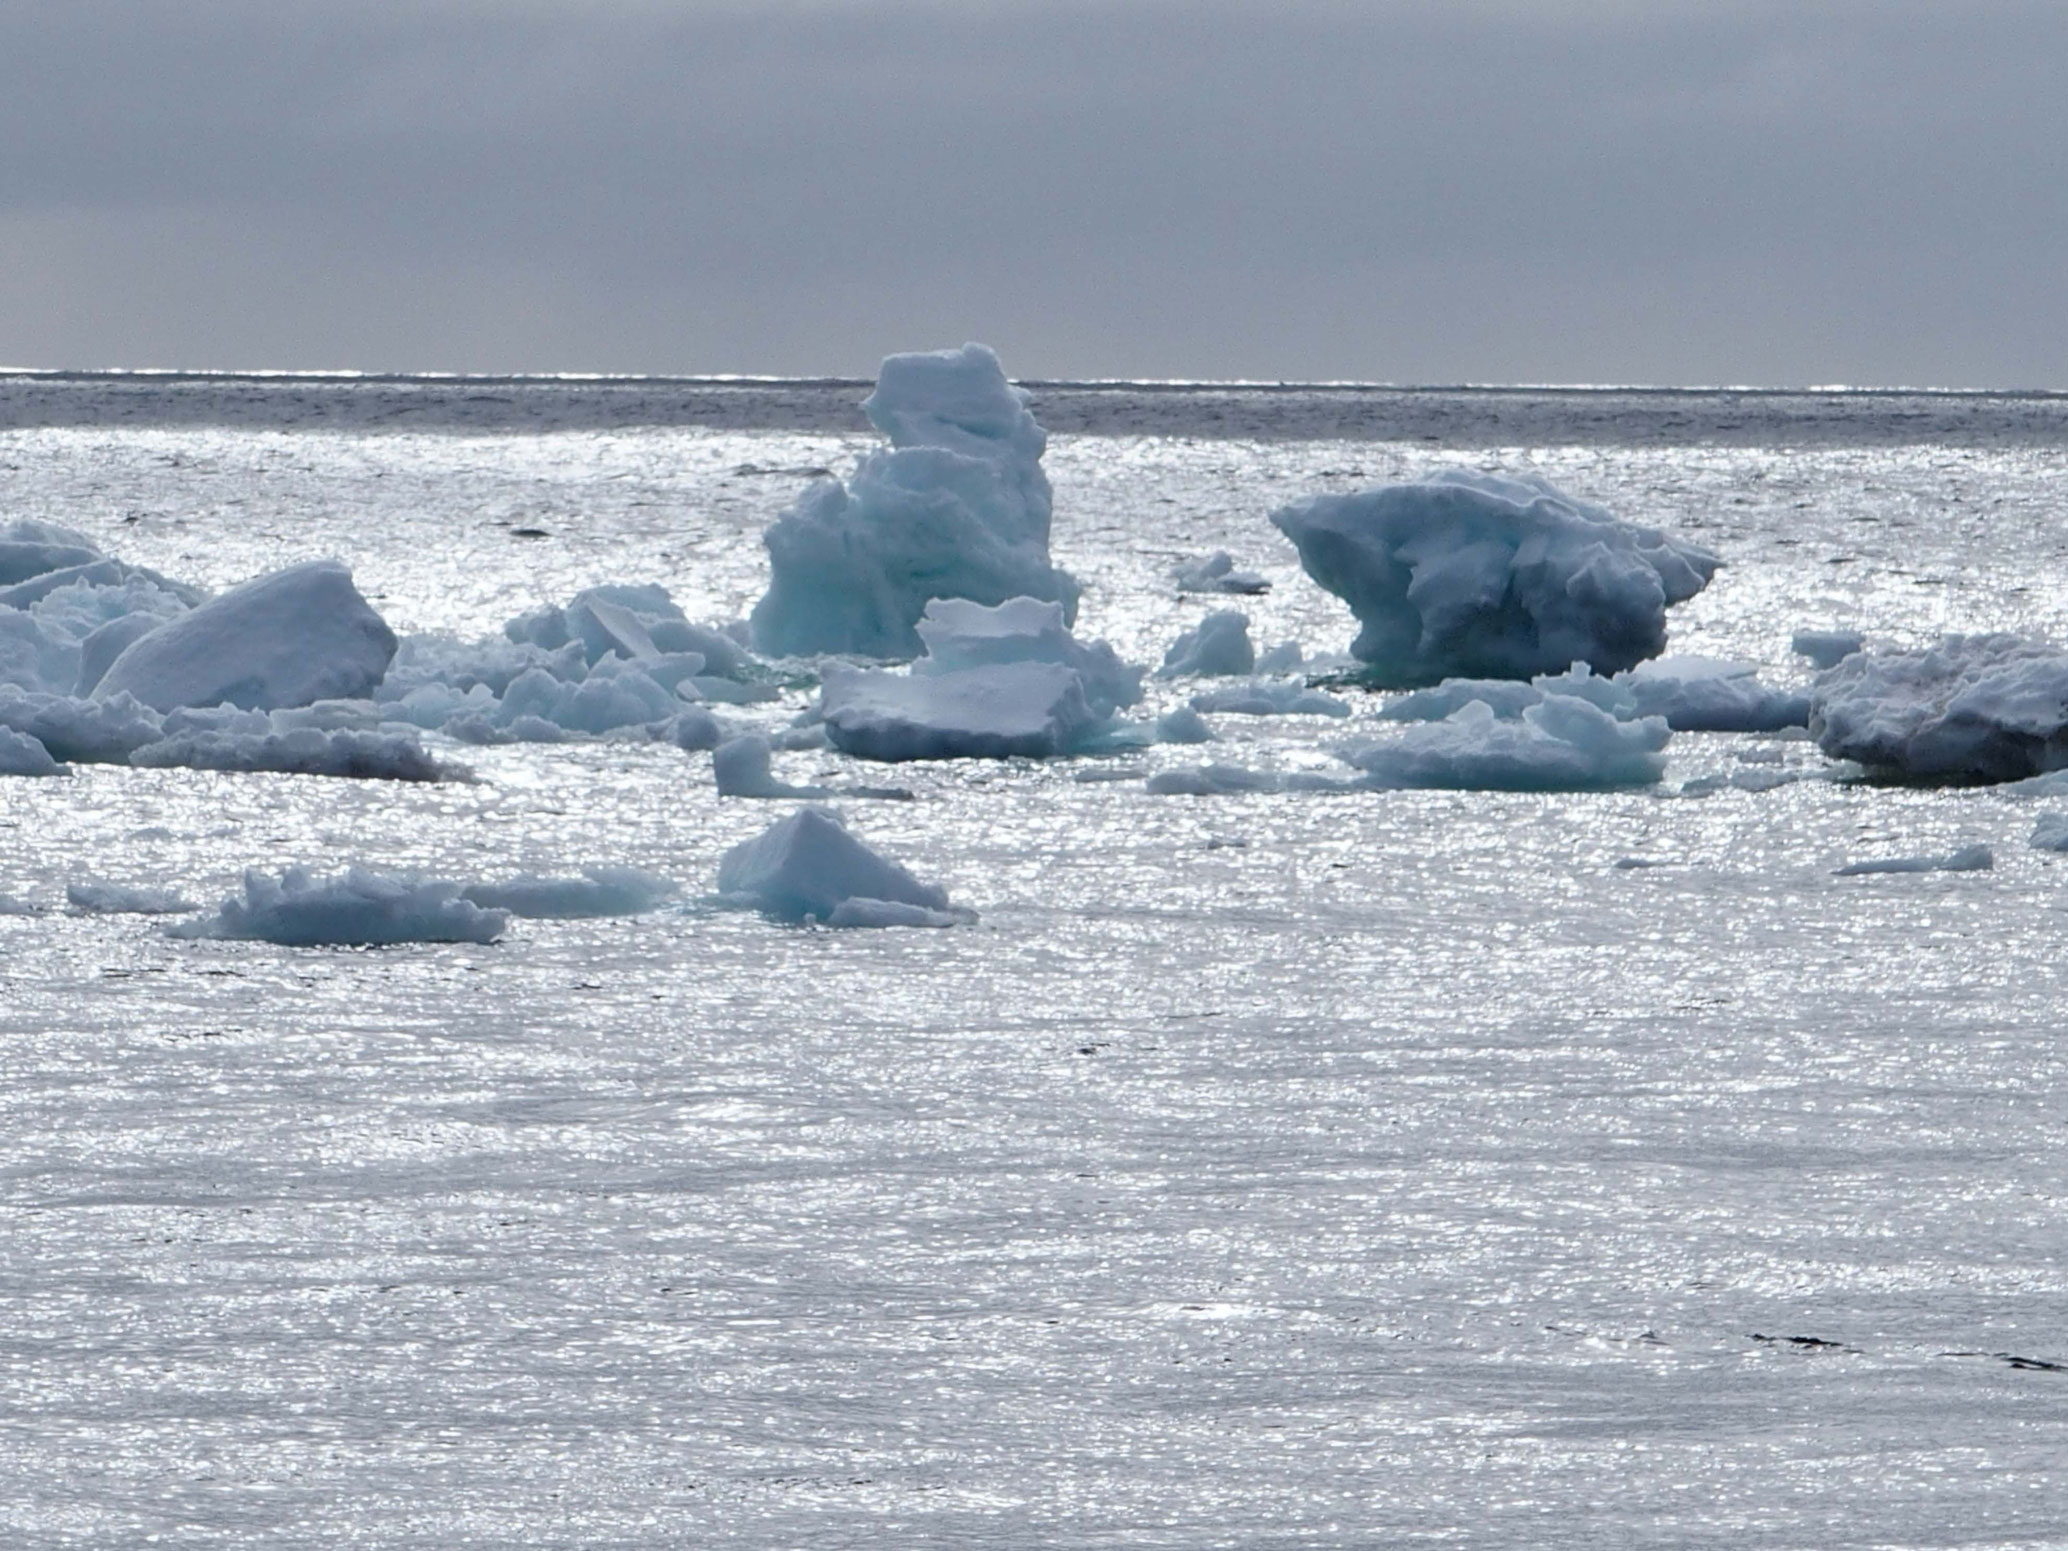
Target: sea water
[{"x": 1304, "y": 1169}]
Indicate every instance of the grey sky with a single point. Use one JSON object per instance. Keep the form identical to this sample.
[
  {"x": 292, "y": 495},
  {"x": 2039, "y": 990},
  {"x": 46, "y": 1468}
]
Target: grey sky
[{"x": 1483, "y": 190}]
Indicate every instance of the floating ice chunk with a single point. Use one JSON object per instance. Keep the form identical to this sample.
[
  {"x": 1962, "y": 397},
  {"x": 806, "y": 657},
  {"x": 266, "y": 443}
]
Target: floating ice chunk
[
  {"x": 741, "y": 767},
  {"x": 1183, "y": 724},
  {"x": 1560, "y": 744},
  {"x": 959, "y": 634},
  {"x": 1826, "y": 648},
  {"x": 22, "y": 755},
  {"x": 298, "y": 635},
  {"x": 1482, "y": 575},
  {"x": 2051, "y": 832},
  {"x": 695, "y": 730},
  {"x": 956, "y": 507},
  {"x": 1237, "y": 780},
  {"x": 890, "y": 912},
  {"x": 1982, "y": 707},
  {"x": 1506, "y": 698},
  {"x": 357, "y": 908},
  {"x": 1219, "y": 646},
  {"x": 1285, "y": 657},
  {"x": 1217, "y": 573},
  {"x": 1036, "y": 709},
  {"x": 89, "y": 897},
  {"x": 600, "y": 891},
  {"x": 807, "y": 865},
  {"x": 1710, "y": 694},
  {"x": 1966, "y": 859},
  {"x": 1270, "y": 697},
  {"x": 10, "y": 906},
  {"x": 103, "y": 732},
  {"x": 342, "y": 752}
]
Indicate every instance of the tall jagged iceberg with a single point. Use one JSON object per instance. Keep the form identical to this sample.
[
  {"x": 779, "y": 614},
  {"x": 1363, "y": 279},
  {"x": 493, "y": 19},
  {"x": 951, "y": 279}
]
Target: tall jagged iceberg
[
  {"x": 1473, "y": 575},
  {"x": 956, "y": 507}
]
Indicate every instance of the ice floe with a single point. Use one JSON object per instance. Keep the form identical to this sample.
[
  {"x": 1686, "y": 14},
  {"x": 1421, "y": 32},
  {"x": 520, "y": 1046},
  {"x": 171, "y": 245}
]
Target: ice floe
[
  {"x": 1483, "y": 575},
  {"x": 1978, "y": 707},
  {"x": 806, "y": 866},
  {"x": 956, "y": 507},
  {"x": 1693, "y": 694},
  {"x": 1976, "y": 858},
  {"x": 599, "y": 891},
  {"x": 1270, "y": 697},
  {"x": 1561, "y": 743},
  {"x": 959, "y": 634},
  {"x": 1032, "y": 709},
  {"x": 356, "y": 908}
]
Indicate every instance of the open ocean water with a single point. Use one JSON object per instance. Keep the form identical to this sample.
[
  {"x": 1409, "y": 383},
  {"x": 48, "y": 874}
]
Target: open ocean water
[{"x": 1265, "y": 1171}]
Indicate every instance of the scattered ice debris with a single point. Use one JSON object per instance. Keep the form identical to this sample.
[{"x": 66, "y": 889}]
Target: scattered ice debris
[
  {"x": 1219, "y": 646},
  {"x": 1235, "y": 780},
  {"x": 283, "y": 640},
  {"x": 1562, "y": 743},
  {"x": 805, "y": 867},
  {"x": 959, "y": 634},
  {"x": 1483, "y": 575},
  {"x": 1217, "y": 573},
  {"x": 1183, "y": 724},
  {"x": 2050, "y": 833},
  {"x": 23, "y": 755},
  {"x": 1285, "y": 657},
  {"x": 1270, "y": 697},
  {"x": 600, "y": 891},
  {"x": 956, "y": 507},
  {"x": 1693, "y": 694},
  {"x": 1826, "y": 648},
  {"x": 1036, "y": 709},
  {"x": 1966, "y": 859},
  {"x": 89, "y": 897},
  {"x": 357, "y": 908},
  {"x": 1979, "y": 707}
]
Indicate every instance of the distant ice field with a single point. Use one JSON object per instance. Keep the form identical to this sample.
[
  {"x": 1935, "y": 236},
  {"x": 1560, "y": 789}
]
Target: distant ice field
[{"x": 1302, "y": 1169}]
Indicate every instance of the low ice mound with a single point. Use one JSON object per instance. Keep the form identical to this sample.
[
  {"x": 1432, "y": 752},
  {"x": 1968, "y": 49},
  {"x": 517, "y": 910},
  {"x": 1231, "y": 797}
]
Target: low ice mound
[
  {"x": 94, "y": 732},
  {"x": 1982, "y": 707},
  {"x": 1711, "y": 694},
  {"x": 1270, "y": 697},
  {"x": 357, "y": 908},
  {"x": 287, "y": 639},
  {"x": 1826, "y": 648},
  {"x": 1560, "y": 744},
  {"x": 807, "y": 867},
  {"x": 2050, "y": 833},
  {"x": 956, "y": 507},
  {"x": 92, "y": 898},
  {"x": 22, "y": 755},
  {"x": 1217, "y": 573},
  {"x": 1966, "y": 859},
  {"x": 743, "y": 767},
  {"x": 1183, "y": 724},
  {"x": 343, "y": 752},
  {"x": 1032, "y": 709},
  {"x": 1239, "y": 780},
  {"x": 1218, "y": 646},
  {"x": 600, "y": 891},
  {"x": 1475, "y": 575},
  {"x": 959, "y": 634}
]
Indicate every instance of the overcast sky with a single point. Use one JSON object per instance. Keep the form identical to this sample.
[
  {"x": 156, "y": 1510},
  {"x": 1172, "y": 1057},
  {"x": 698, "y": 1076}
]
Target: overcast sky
[{"x": 1442, "y": 191}]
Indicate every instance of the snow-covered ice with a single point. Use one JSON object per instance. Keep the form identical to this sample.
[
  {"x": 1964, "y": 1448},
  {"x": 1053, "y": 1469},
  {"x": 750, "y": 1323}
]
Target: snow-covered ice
[
  {"x": 285, "y": 639},
  {"x": 956, "y": 507},
  {"x": 1479, "y": 575},
  {"x": 355, "y": 908},
  {"x": 806, "y": 866},
  {"x": 1978, "y": 707}
]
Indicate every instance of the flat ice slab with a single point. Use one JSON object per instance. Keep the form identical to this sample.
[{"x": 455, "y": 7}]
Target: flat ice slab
[
  {"x": 296, "y": 636},
  {"x": 1478, "y": 575}
]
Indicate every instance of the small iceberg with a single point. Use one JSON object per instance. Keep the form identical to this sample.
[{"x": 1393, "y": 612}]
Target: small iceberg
[
  {"x": 1218, "y": 647},
  {"x": 1475, "y": 575},
  {"x": 357, "y": 908},
  {"x": 1978, "y": 708},
  {"x": 807, "y": 867}
]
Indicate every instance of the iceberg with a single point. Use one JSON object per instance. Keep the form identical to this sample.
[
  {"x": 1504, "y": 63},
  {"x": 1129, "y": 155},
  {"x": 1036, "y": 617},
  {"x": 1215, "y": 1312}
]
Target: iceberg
[
  {"x": 1966, "y": 859},
  {"x": 959, "y": 634},
  {"x": 1474, "y": 575},
  {"x": 956, "y": 507},
  {"x": 1270, "y": 697},
  {"x": 600, "y": 891},
  {"x": 1218, "y": 646},
  {"x": 357, "y": 908},
  {"x": 1217, "y": 573},
  {"x": 1561, "y": 744},
  {"x": 1033, "y": 709},
  {"x": 285, "y": 639},
  {"x": 807, "y": 866},
  {"x": 22, "y": 755},
  {"x": 1979, "y": 708}
]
